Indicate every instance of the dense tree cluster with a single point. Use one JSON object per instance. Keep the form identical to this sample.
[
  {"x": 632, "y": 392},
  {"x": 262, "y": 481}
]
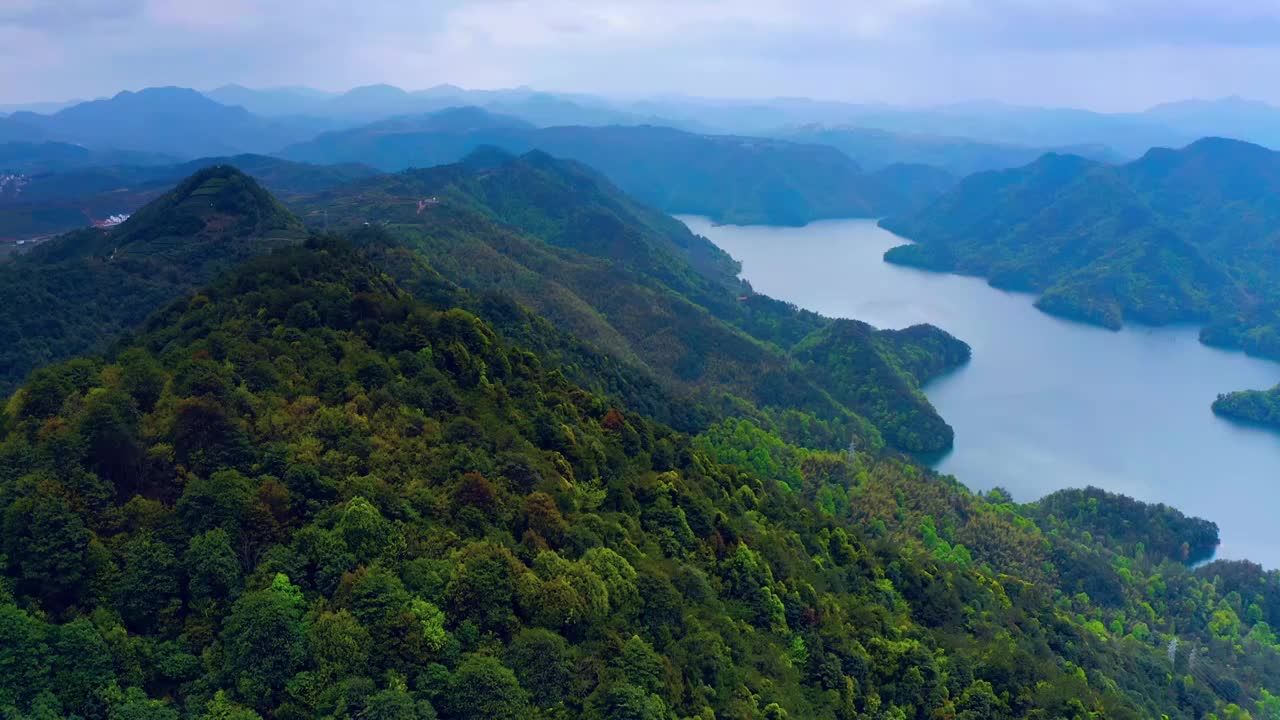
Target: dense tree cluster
[
  {"x": 1256, "y": 406},
  {"x": 562, "y": 240},
  {"x": 81, "y": 290},
  {"x": 529, "y": 452},
  {"x": 301, "y": 492}
]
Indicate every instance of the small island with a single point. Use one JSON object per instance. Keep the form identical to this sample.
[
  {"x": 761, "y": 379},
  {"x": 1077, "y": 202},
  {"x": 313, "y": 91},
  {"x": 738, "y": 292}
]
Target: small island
[{"x": 1261, "y": 407}]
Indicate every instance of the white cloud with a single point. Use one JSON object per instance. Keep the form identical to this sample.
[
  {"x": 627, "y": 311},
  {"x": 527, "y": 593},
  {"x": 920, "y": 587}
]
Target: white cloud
[{"x": 1095, "y": 52}]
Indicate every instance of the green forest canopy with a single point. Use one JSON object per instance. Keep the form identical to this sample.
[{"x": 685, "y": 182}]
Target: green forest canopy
[{"x": 324, "y": 486}]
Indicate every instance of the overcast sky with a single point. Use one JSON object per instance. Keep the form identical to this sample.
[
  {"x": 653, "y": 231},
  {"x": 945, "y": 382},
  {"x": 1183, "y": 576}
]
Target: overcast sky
[{"x": 1102, "y": 54}]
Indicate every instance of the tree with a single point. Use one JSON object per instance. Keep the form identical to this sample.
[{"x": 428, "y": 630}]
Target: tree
[
  {"x": 111, "y": 446},
  {"x": 221, "y": 708},
  {"x": 213, "y": 572},
  {"x": 133, "y": 704},
  {"x": 544, "y": 664},
  {"x": 223, "y": 500},
  {"x": 141, "y": 377},
  {"x": 394, "y": 704},
  {"x": 485, "y": 689},
  {"x": 206, "y": 438},
  {"x": 628, "y": 702},
  {"x": 44, "y": 392},
  {"x": 979, "y": 702},
  {"x": 339, "y": 645},
  {"x": 147, "y": 590},
  {"x": 483, "y": 588},
  {"x": 640, "y": 665},
  {"x": 24, "y": 657},
  {"x": 364, "y": 529},
  {"x": 263, "y": 642},
  {"x": 48, "y": 546}
]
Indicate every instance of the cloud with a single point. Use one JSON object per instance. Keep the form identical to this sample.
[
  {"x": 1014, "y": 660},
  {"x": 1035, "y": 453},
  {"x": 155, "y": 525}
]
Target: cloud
[{"x": 1096, "y": 52}]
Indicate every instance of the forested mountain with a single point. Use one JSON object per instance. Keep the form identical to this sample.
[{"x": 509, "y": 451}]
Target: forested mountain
[
  {"x": 75, "y": 292},
  {"x": 303, "y": 492},
  {"x": 169, "y": 120},
  {"x": 731, "y": 179},
  {"x": 567, "y": 243},
  {"x": 1179, "y": 235},
  {"x": 874, "y": 149},
  {"x": 53, "y": 201}
]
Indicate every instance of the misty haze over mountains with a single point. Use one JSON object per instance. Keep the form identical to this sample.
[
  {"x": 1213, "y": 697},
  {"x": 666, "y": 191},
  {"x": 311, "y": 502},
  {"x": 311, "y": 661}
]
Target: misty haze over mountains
[
  {"x": 781, "y": 160},
  {"x": 263, "y": 120}
]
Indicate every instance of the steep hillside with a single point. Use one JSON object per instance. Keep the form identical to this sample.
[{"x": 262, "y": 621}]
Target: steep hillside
[
  {"x": 1178, "y": 235},
  {"x": 732, "y": 179},
  {"x": 565, "y": 242},
  {"x": 302, "y": 492},
  {"x": 81, "y": 289}
]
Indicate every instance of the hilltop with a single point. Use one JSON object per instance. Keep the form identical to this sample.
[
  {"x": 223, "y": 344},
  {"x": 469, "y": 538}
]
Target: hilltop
[
  {"x": 1178, "y": 235},
  {"x": 56, "y": 193},
  {"x": 84, "y": 288}
]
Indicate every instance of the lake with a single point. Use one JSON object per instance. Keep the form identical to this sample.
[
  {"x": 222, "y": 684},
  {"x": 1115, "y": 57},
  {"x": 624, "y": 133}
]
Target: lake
[{"x": 1046, "y": 403}]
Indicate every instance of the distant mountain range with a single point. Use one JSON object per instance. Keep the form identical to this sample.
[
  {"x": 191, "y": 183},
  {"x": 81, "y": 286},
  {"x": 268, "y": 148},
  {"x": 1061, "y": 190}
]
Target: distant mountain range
[
  {"x": 375, "y": 102},
  {"x": 1178, "y": 235},
  {"x": 171, "y": 121},
  {"x": 236, "y": 119},
  {"x": 729, "y": 178},
  {"x": 52, "y": 157},
  {"x": 874, "y": 149}
]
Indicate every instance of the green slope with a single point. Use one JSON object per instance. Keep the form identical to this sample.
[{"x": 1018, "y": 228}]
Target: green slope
[
  {"x": 1185, "y": 235},
  {"x": 1190, "y": 235},
  {"x": 639, "y": 285},
  {"x": 303, "y": 492},
  {"x": 82, "y": 289}
]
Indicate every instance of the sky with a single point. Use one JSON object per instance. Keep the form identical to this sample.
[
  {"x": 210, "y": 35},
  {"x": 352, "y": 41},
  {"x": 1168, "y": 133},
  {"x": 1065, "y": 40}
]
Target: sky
[{"x": 1111, "y": 55}]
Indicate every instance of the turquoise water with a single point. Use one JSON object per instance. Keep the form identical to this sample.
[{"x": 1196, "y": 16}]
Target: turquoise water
[{"x": 1046, "y": 403}]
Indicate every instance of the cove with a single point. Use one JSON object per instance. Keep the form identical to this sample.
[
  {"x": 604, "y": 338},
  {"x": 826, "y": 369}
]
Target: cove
[{"x": 1046, "y": 403}]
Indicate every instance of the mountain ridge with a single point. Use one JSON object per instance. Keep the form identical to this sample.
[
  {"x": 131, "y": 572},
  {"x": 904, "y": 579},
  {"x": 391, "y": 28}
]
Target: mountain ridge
[
  {"x": 85, "y": 287},
  {"x": 733, "y": 179},
  {"x": 653, "y": 293}
]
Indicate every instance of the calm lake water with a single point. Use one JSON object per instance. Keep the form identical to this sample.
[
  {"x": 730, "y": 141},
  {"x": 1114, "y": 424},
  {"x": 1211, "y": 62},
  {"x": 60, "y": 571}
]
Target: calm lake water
[{"x": 1046, "y": 403}]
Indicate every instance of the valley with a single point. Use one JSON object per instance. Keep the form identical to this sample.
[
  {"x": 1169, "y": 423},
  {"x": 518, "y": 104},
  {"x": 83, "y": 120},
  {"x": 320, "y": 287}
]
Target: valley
[
  {"x": 1045, "y": 404},
  {"x": 421, "y": 406}
]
